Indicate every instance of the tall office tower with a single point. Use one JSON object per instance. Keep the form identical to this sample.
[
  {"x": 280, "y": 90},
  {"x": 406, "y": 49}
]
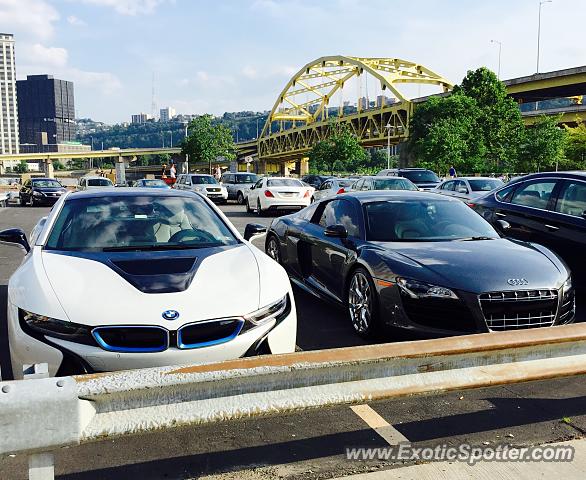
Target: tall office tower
[
  {"x": 166, "y": 114},
  {"x": 9, "y": 118},
  {"x": 46, "y": 112}
]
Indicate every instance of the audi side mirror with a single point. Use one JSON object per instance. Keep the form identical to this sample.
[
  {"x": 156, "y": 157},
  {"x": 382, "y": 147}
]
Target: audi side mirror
[
  {"x": 336, "y": 231},
  {"x": 254, "y": 230},
  {"x": 504, "y": 225},
  {"x": 16, "y": 236}
]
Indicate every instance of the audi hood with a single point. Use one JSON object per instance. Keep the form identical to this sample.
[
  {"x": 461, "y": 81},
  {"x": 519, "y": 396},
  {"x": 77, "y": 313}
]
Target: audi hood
[{"x": 477, "y": 266}]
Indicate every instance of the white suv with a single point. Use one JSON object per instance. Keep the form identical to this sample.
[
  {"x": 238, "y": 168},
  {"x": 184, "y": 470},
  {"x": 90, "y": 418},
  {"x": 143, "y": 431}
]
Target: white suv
[{"x": 205, "y": 184}]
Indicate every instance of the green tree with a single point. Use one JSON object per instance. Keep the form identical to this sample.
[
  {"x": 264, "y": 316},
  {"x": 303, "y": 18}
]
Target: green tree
[
  {"x": 58, "y": 165},
  {"x": 22, "y": 167},
  {"x": 575, "y": 149},
  {"x": 206, "y": 141},
  {"x": 340, "y": 151},
  {"x": 444, "y": 132},
  {"x": 544, "y": 145}
]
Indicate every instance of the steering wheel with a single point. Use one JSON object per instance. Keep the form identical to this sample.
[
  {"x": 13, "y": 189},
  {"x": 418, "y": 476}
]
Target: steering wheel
[{"x": 192, "y": 236}]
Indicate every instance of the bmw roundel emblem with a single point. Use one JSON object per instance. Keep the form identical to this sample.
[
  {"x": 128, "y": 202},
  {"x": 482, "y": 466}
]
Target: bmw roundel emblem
[{"x": 170, "y": 314}]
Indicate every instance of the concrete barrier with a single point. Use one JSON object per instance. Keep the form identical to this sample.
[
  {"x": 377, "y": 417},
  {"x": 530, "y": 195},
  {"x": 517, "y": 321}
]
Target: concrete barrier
[{"x": 113, "y": 404}]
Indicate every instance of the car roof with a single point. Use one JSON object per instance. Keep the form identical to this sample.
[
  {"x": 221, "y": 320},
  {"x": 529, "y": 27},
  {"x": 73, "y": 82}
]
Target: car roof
[
  {"x": 281, "y": 178},
  {"x": 571, "y": 174},
  {"x": 378, "y": 177},
  {"x": 369, "y": 196},
  {"x": 43, "y": 178},
  {"x": 471, "y": 178},
  {"x": 129, "y": 192},
  {"x": 93, "y": 177}
]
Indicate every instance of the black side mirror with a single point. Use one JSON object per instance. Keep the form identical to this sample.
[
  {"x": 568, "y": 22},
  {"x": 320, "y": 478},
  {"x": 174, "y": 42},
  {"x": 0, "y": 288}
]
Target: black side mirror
[
  {"x": 584, "y": 214},
  {"x": 336, "y": 231},
  {"x": 254, "y": 229},
  {"x": 504, "y": 225},
  {"x": 15, "y": 235}
]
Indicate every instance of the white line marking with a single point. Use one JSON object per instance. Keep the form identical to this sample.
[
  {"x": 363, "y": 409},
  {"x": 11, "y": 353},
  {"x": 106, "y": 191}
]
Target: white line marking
[{"x": 379, "y": 424}]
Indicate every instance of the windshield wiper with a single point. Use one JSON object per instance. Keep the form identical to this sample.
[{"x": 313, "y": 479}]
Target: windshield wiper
[
  {"x": 472, "y": 239},
  {"x": 151, "y": 248}
]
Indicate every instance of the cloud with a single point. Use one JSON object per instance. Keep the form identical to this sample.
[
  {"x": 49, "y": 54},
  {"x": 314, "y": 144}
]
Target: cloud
[
  {"x": 37, "y": 54},
  {"x": 129, "y": 7},
  {"x": 30, "y": 17},
  {"x": 75, "y": 21},
  {"x": 249, "y": 72}
]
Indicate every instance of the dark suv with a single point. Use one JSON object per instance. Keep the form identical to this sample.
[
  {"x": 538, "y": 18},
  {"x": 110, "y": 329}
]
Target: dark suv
[
  {"x": 423, "y": 178},
  {"x": 548, "y": 208},
  {"x": 41, "y": 191}
]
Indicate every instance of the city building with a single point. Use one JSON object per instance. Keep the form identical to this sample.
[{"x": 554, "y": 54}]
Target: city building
[
  {"x": 166, "y": 114},
  {"x": 46, "y": 112},
  {"x": 9, "y": 116},
  {"x": 141, "y": 118}
]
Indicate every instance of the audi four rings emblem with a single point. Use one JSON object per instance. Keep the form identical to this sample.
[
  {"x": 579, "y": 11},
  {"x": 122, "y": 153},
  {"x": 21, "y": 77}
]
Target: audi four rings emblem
[{"x": 517, "y": 281}]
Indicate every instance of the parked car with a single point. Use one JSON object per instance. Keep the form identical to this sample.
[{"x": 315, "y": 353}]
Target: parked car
[
  {"x": 160, "y": 259},
  {"x": 90, "y": 182},
  {"x": 315, "y": 180},
  {"x": 41, "y": 191},
  {"x": 237, "y": 184},
  {"x": 332, "y": 186},
  {"x": 468, "y": 189},
  {"x": 548, "y": 208},
  {"x": 383, "y": 183},
  {"x": 420, "y": 262},
  {"x": 271, "y": 194},
  {"x": 204, "y": 184},
  {"x": 151, "y": 183},
  {"x": 424, "y": 179}
]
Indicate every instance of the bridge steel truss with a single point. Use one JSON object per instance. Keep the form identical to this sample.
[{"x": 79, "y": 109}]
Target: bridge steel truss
[{"x": 303, "y": 123}]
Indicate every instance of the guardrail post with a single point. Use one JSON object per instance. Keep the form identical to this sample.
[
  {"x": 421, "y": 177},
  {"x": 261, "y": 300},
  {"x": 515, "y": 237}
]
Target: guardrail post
[{"x": 41, "y": 466}]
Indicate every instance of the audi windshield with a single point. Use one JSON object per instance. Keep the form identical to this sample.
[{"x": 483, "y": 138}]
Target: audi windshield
[{"x": 424, "y": 221}]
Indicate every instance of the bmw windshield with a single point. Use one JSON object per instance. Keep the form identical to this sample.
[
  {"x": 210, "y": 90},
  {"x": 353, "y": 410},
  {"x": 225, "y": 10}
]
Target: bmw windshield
[
  {"x": 126, "y": 223},
  {"x": 425, "y": 221}
]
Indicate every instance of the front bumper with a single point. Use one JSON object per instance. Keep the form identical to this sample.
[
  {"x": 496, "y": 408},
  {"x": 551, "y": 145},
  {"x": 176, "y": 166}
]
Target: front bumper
[
  {"x": 446, "y": 317},
  {"x": 271, "y": 337}
]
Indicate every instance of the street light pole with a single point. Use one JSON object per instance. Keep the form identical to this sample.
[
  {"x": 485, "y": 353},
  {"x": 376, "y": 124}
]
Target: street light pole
[
  {"x": 541, "y": 2},
  {"x": 500, "y": 49},
  {"x": 187, "y": 154}
]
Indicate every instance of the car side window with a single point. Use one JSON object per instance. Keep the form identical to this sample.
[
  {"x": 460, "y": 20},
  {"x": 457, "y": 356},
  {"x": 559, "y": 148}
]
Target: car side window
[
  {"x": 367, "y": 185},
  {"x": 345, "y": 214},
  {"x": 326, "y": 186},
  {"x": 358, "y": 185},
  {"x": 259, "y": 183},
  {"x": 461, "y": 187},
  {"x": 328, "y": 216},
  {"x": 502, "y": 195},
  {"x": 534, "y": 194},
  {"x": 449, "y": 185},
  {"x": 572, "y": 199}
]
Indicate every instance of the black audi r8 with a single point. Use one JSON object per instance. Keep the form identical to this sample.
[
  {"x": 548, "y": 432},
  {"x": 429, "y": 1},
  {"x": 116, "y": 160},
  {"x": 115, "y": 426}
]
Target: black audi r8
[{"x": 422, "y": 262}]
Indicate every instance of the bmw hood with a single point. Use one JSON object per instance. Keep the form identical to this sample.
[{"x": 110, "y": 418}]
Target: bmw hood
[
  {"x": 137, "y": 287},
  {"x": 479, "y": 266}
]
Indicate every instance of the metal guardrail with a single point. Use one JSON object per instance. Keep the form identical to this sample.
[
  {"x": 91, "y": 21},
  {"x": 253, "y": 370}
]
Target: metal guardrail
[{"x": 42, "y": 414}]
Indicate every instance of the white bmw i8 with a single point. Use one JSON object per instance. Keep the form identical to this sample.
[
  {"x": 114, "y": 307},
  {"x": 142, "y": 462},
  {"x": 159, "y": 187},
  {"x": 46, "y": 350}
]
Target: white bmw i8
[{"x": 130, "y": 278}]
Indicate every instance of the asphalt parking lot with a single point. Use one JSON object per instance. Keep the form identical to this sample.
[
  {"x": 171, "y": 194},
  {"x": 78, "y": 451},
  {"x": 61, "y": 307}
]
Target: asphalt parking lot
[{"x": 310, "y": 444}]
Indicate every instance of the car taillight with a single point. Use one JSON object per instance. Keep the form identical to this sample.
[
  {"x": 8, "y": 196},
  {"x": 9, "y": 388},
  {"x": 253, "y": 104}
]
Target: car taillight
[
  {"x": 471, "y": 205},
  {"x": 268, "y": 193},
  {"x": 340, "y": 191},
  {"x": 306, "y": 194}
]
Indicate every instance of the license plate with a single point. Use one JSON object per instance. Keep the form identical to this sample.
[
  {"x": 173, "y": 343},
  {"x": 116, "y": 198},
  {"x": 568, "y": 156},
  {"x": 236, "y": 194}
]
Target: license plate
[{"x": 289, "y": 194}]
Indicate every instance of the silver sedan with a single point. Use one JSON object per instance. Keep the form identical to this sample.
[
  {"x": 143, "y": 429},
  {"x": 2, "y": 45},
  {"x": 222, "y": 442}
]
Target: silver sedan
[{"x": 467, "y": 189}]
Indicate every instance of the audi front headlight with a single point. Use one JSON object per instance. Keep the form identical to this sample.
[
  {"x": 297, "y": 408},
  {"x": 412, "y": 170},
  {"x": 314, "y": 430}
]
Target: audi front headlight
[
  {"x": 418, "y": 289},
  {"x": 277, "y": 310},
  {"x": 41, "y": 325},
  {"x": 567, "y": 286}
]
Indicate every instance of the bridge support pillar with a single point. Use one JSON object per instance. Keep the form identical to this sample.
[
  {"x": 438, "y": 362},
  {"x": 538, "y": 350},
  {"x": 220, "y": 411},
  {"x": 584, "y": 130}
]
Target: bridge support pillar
[
  {"x": 120, "y": 170},
  {"x": 48, "y": 168},
  {"x": 302, "y": 166},
  {"x": 261, "y": 166},
  {"x": 2, "y": 169}
]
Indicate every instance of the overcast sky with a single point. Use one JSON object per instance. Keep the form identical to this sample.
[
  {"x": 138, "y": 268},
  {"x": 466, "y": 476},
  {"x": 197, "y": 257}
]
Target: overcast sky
[{"x": 230, "y": 55}]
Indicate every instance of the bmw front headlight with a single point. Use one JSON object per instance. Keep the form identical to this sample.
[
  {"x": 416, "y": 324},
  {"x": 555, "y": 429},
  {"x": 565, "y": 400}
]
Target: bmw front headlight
[
  {"x": 418, "y": 289},
  {"x": 277, "y": 310},
  {"x": 41, "y": 325}
]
